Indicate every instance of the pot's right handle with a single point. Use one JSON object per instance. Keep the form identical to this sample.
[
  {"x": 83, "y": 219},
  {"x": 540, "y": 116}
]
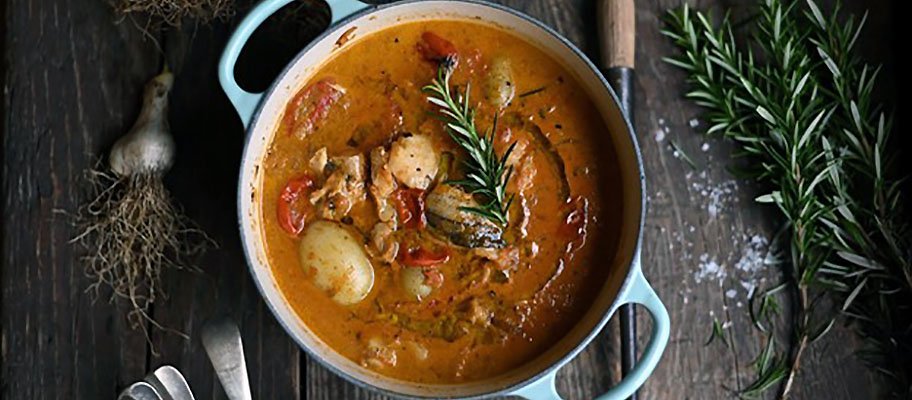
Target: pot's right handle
[
  {"x": 245, "y": 102},
  {"x": 642, "y": 293}
]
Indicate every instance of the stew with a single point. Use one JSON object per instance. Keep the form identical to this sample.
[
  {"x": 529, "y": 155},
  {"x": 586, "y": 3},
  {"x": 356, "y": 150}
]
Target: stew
[{"x": 370, "y": 228}]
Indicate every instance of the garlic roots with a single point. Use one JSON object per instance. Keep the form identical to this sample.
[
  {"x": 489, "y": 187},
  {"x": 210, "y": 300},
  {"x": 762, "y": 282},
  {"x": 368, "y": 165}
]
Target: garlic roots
[{"x": 131, "y": 229}]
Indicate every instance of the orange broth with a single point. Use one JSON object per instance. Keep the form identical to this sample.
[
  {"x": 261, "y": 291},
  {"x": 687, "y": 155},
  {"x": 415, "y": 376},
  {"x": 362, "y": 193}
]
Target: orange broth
[{"x": 525, "y": 306}]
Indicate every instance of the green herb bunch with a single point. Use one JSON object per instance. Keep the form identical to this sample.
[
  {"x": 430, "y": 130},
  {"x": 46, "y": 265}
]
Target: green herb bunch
[
  {"x": 799, "y": 103},
  {"x": 487, "y": 173}
]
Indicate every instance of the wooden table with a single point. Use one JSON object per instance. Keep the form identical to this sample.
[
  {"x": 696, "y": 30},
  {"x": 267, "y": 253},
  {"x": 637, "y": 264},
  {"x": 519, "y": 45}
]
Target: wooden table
[{"x": 72, "y": 81}]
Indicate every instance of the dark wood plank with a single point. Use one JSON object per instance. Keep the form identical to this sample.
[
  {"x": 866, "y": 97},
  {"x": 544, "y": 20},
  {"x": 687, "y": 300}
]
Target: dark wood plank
[
  {"x": 72, "y": 84},
  {"x": 210, "y": 138},
  {"x": 681, "y": 228}
]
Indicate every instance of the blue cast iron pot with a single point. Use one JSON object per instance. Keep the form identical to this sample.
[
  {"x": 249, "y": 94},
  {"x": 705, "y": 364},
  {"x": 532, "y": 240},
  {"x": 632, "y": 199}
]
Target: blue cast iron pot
[{"x": 262, "y": 112}]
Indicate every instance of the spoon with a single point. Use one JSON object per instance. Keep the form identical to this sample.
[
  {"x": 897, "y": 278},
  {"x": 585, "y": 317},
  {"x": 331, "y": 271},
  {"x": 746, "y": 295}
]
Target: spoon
[
  {"x": 139, "y": 391},
  {"x": 170, "y": 383},
  {"x": 222, "y": 341}
]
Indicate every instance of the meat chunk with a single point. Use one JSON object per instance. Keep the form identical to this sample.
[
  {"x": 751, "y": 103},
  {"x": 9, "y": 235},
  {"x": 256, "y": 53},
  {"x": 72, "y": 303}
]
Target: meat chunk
[
  {"x": 413, "y": 161},
  {"x": 478, "y": 313},
  {"x": 380, "y": 353},
  {"x": 317, "y": 163},
  {"x": 383, "y": 246},
  {"x": 445, "y": 212},
  {"x": 343, "y": 188},
  {"x": 382, "y": 184},
  {"x": 505, "y": 258}
]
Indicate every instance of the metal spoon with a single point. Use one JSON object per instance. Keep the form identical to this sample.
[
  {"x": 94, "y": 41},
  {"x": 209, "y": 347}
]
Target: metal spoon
[
  {"x": 139, "y": 391},
  {"x": 222, "y": 341},
  {"x": 170, "y": 383}
]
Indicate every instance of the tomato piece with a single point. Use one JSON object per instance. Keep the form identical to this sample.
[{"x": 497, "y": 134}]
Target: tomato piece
[
  {"x": 435, "y": 48},
  {"x": 419, "y": 257},
  {"x": 293, "y": 206},
  {"x": 410, "y": 207},
  {"x": 311, "y": 106}
]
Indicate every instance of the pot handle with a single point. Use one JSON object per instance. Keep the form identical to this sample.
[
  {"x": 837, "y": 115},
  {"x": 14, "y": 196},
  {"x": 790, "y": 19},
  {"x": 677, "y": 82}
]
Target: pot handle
[
  {"x": 641, "y": 293},
  {"x": 245, "y": 102}
]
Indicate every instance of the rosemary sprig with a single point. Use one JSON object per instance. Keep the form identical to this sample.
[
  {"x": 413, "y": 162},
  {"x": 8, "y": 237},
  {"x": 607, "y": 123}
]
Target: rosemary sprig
[
  {"x": 803, "y": 109},
  {"x": 718, "y": 332},
  {"x": 487, "y": 173}
]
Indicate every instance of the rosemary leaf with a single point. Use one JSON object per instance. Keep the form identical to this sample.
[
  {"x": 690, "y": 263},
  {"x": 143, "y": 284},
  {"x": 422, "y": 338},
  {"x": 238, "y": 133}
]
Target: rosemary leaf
[
  {"x": 797, "y": 101},
  {"x": 486, "y": 172}
]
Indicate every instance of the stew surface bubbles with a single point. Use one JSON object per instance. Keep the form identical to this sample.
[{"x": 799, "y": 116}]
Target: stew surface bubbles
[{"x": 367, "y": 227}]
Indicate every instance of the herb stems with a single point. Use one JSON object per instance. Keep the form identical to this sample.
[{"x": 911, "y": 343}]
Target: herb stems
[
  {"x": 801, "y": 108},
  {"x": 487, "y": 174}
]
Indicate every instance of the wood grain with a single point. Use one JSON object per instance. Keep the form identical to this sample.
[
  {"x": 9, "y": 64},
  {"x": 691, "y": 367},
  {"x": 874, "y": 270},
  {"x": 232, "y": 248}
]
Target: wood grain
[
  {"x": 71, "y": 80},
  {"x": 65, "y": 98},
  {"x": 617, "y": 26}
]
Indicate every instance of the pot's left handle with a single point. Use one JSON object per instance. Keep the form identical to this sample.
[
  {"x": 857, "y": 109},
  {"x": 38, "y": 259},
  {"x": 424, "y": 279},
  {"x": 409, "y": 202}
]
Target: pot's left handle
[{"x": 245, "y": 102}]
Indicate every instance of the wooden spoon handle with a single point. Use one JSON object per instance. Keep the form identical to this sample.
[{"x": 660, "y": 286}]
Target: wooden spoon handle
[
  {"x": 617, "y": 39},
  {"x": 617, "y": 30}
]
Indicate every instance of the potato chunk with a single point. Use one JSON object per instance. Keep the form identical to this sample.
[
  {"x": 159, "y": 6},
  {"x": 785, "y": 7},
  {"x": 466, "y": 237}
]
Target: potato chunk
[
  {"x": 413, "y": 161},
  {"x": 336, "y": 262},
  {"x": 413, "y": 281},
  {"x": 499, "y": 88}
]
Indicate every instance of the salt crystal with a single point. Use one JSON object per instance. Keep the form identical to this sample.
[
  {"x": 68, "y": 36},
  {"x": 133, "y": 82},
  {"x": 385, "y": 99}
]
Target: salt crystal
[
  {"x": 705, "y": 147},
  {"x": 694, "y": 123},
  {"x": 731, "y": 293},
  {"x": 659, "y": 135},
  {"x": 712, "y": 209},
  {"x": 718, "y": 197},
  {"x": 709, "y": 269},
  {"x": 753, "y": 255}
]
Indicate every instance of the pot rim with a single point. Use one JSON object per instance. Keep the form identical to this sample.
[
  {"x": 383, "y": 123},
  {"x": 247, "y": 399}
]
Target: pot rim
[{"x": 632, "y": 267}]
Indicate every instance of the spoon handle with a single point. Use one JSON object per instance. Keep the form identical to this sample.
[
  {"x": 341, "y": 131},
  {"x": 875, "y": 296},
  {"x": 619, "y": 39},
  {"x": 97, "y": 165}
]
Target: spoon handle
[
  {"x": 139, "y": 391},
  {"x": 617, "y": 32},
  {"x": 222, "y": 341},
  {"x": 617, "y": 37},
  {"x": 170, "y": 383}
]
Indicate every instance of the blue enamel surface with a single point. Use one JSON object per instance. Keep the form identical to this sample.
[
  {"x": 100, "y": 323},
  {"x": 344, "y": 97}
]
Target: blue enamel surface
[
  {"x": 643, "y": 294},
  {"x": 634, "y": 290},
  {"x": 639, "y": 292},
  {"x": 343, "y": 8},
  {"x": 245, "y": 102},
  {"x": 542, "y": 389}
]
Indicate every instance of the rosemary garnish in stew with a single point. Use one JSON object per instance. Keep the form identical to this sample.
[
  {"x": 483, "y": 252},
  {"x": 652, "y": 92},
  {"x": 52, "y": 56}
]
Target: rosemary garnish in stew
[
  {"x": 533, "y": 91},
  {"x": 487, "y": 173}
]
